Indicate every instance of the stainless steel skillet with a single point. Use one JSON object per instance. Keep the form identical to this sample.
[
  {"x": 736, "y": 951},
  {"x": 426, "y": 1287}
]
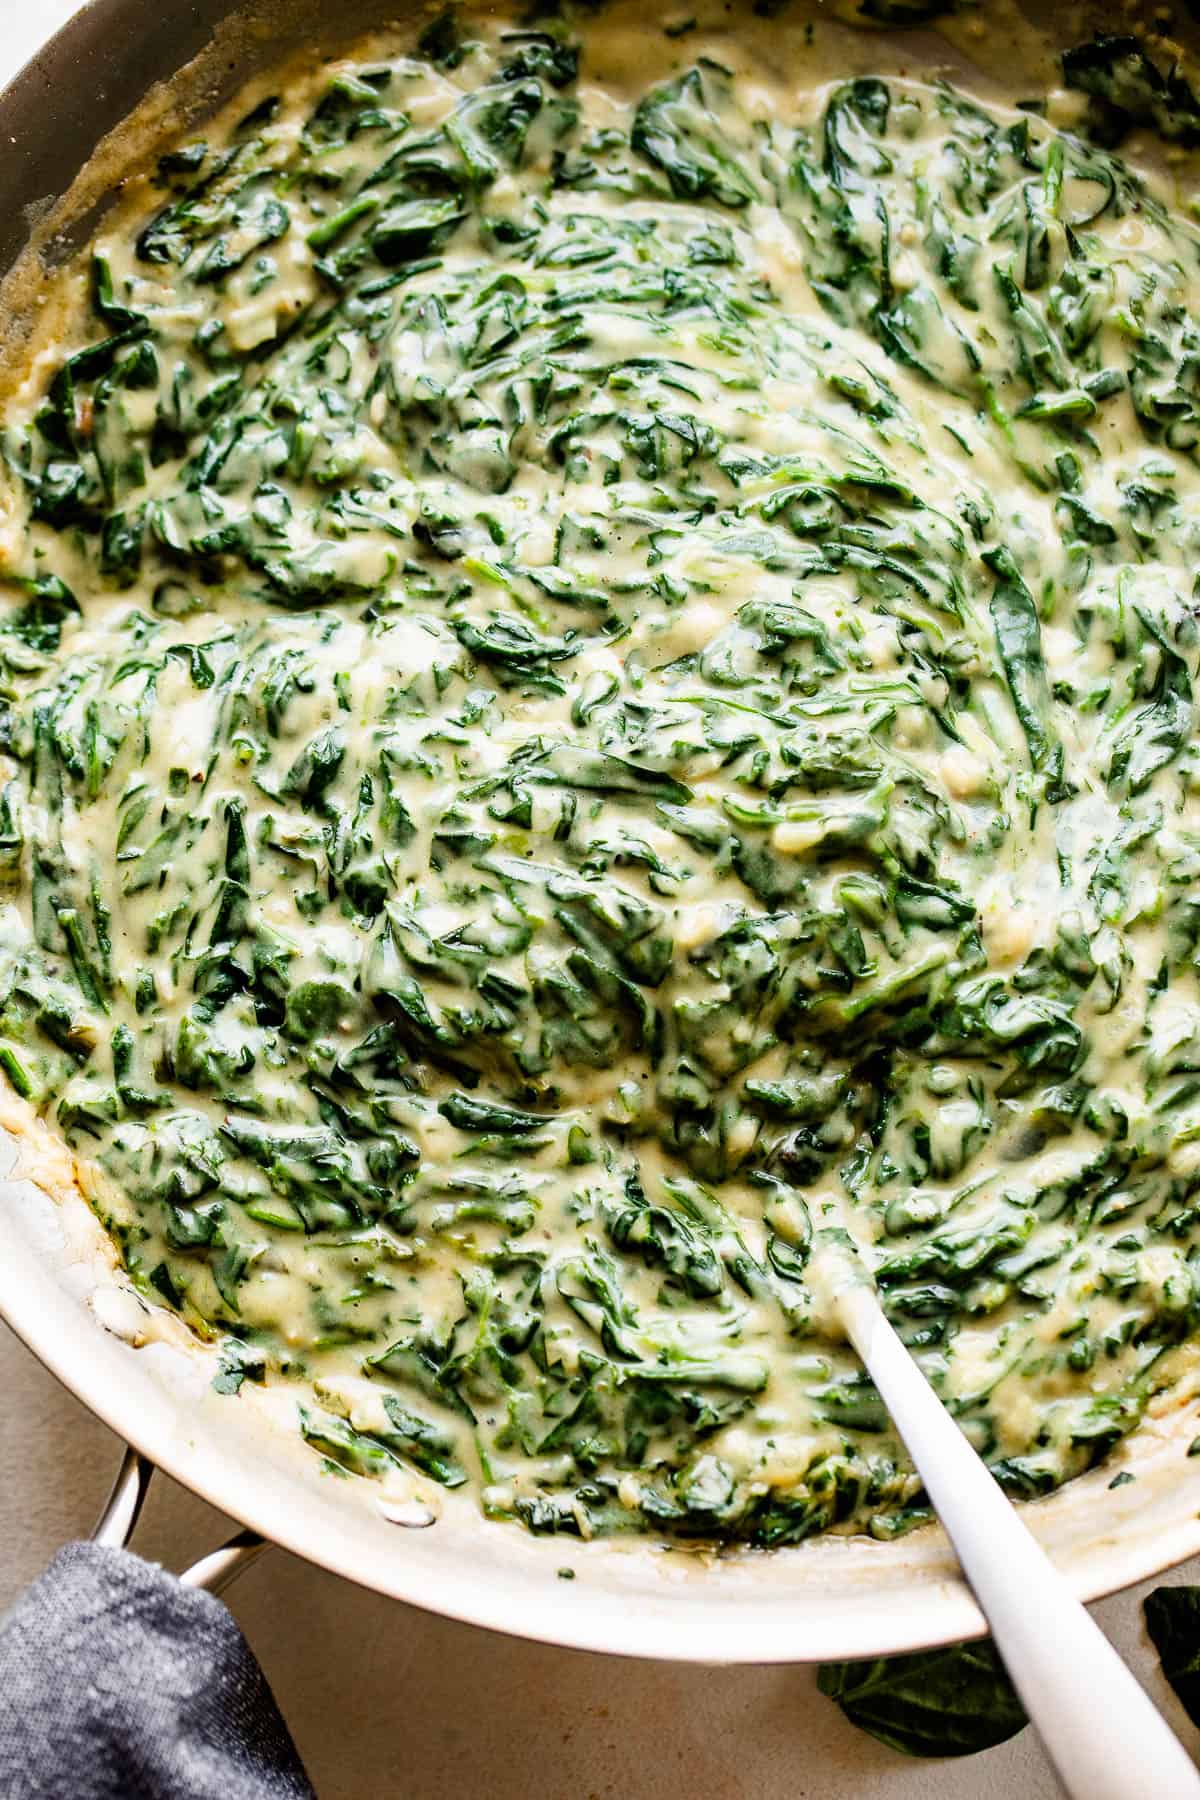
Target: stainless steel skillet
[{"x": 841, "y": 1597}]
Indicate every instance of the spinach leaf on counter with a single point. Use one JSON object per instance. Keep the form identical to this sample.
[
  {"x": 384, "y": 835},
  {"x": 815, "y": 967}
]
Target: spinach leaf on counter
[
  {"x": 959, "y": 1700},
  {"x": 950, "y": 1702},
  {"x": 1173, "y": 1622}
]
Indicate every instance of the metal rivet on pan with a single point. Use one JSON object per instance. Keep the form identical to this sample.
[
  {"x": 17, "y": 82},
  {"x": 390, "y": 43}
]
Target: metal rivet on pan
[{"x": 413, "y": 1514}]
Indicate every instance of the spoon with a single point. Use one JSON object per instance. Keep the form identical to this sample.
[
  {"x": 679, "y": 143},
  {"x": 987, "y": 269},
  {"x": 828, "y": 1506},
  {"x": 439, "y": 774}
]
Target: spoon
[{"x": 1101, "y": 1731}]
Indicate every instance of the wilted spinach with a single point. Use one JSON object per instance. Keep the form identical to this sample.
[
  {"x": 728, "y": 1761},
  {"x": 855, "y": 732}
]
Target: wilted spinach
[
  {"x": 954, "y": 1701},
  {"x": 1173, "y": 1622}
]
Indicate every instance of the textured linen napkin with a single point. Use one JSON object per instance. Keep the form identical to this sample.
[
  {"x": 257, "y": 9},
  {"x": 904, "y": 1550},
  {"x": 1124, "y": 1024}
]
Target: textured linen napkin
[{"x": 118, "y": 1683}]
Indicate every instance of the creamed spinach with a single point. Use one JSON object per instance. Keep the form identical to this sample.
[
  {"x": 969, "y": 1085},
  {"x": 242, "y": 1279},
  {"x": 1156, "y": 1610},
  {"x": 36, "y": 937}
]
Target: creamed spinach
[{"x": 596, "y": 677}]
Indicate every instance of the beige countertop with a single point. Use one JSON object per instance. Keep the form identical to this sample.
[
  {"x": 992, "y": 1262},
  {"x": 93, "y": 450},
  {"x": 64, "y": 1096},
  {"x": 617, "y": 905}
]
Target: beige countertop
[{"x": 388, "y": 1701}]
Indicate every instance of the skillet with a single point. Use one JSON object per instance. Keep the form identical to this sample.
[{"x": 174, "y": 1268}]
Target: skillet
[{"x": 836, "y": 1597}]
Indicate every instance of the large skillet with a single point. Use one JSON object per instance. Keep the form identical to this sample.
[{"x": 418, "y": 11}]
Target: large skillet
[{"x": 834, "y": 1597}]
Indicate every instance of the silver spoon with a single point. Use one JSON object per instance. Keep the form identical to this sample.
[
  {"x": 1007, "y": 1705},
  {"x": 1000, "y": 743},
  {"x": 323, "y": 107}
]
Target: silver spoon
[{"x": 1101, "y": 1731}]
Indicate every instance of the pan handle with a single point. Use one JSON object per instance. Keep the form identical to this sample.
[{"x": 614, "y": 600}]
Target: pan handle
[{"x": 116, "y": 1526}]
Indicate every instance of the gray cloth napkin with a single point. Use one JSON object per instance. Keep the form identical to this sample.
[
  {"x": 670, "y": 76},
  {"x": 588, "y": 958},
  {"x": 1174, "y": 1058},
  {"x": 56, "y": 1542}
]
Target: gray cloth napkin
[{"x": 118, "y": 1683}]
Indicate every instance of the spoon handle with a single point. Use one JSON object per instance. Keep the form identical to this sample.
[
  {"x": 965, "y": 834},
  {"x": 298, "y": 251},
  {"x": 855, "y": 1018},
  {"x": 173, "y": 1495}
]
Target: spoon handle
[{"x": 1101, "y": 1731}]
